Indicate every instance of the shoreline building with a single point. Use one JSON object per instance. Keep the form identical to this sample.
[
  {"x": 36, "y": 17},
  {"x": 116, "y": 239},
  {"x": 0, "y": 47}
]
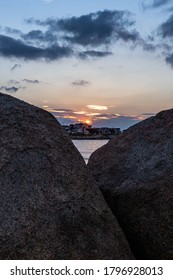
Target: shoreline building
[{"x": 83, "y": 129}]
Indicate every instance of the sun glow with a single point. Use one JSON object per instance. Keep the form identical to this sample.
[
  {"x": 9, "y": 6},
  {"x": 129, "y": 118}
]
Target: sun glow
[{"x": 89, "y": 122}]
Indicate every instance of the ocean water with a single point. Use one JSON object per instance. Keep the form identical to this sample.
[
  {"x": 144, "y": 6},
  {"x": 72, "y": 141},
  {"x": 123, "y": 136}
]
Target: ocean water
[{"x": 87, "y": 147}]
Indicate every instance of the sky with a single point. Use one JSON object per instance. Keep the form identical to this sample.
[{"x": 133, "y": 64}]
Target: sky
[{"x": 107, "y": 62}]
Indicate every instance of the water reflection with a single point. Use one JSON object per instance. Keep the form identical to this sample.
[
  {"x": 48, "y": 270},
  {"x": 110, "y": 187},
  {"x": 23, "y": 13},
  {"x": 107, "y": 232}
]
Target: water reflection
[{"x": 87, "y": 147}]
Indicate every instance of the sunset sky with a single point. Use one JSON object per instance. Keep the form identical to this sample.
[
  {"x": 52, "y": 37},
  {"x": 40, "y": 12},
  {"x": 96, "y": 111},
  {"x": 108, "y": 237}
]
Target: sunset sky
[{"x": 106, "y": 61}]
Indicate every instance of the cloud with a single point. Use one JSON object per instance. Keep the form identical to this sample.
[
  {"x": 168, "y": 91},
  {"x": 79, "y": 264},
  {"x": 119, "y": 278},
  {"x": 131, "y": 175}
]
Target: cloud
[
  {"x": 13, "y": 82},
  {"x": 10, "y": 47},
  {"x": 166, "y": 28},
  {"x": 97, "y": 107},
  {"x": 38, "y": 36},
  {"x": 13, "y": 31},
  {"x": 99, "y": 119},
  {"x": 12, "y": 86},
  {"x": 63, "y": 110},
  {"x": 122, "y": 122},
  {"x": 169, "y": 59},
  {"x": 65, "y": 117},
  {"x": 155, "y": 4},
  {"x": 91, "y": 35},
  {"x": 158, "y": 3},
  {"x": 92, "y": 114},
  {"x": 81, "y": 83},
  {"x": 80, "y": 113},
  {"x": 87, "y": 36},
  {"x": 31, "y": 81},
  {"x": 148, "y": 46},
  {"x": 60, "y": 112},
  {"x": 66, "y": 121},
  {"x": 107, "y": 116},
  {"x": 10, "y": 89},
  {"x": 34, "y": 35},
  {"x": 98, "y": 28},
  {"x": 94, "y": 29},
  {"x": 92, "y": 53},
  {"x": 15, "y": 66},
  {"x": 148, "y": 114}
]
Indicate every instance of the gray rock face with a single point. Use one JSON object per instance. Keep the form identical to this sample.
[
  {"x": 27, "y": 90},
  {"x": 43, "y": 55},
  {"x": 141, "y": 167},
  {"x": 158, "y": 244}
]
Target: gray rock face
[
  {"x": 135, "y": 173},
  {"x": 50, "y": 207}
]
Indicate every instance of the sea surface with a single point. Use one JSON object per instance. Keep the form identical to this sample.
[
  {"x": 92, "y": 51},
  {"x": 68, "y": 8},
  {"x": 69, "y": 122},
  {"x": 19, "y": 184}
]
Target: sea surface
[{"x": 87, "y": 147}]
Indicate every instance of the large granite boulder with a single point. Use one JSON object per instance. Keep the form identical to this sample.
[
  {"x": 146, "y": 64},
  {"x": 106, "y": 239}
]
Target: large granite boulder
[
  {"x": 50, "y": 207},
  {"x": 135, "y": 173}
]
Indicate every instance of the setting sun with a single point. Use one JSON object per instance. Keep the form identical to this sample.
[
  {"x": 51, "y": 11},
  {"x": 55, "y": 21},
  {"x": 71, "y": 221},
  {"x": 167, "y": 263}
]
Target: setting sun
[{"x": 88, "y": 122}]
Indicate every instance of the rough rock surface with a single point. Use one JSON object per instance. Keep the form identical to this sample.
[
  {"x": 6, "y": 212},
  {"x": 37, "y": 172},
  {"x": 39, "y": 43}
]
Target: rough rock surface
[
  {"x": 135, "y": 173},
  {"x": 50, "y": 207}
]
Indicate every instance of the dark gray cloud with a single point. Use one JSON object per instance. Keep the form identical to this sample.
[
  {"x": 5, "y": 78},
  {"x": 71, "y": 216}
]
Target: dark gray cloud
[
  {"x": 92, "y": 53},
  {"x": 81, "y": 83},
  {"x": 165, "y": 31},
  {"x": 40, "y": 36},
  {"x": 12, "y": 31},
  {"x": 148, "y": 47},
  {"x": 34, "y": 34},
  {"x": 15, "y": 66},
  {"x": 98, "y": 28},
  {"x": 13, "y": 82},
  {"x": 93, "y": 34},
  {"x": 94, "y": 29},
  {"x": 12, "y": 86},
  {"x": 166, "y": 47},
  {"x": 169, "y": 59},
  {"x": 158, "y": 3},
  {"x": 86, "y": 36},
  {"x": 10, "y": 89},
  {"x": 10, "y": 47},
  {"x": 105, "y": 115},
  {"x": 147, "y": 4},
  {"x": 31, "y": 81},
  {"x": 64, "y": 110},
  {"x": 166, "y": 28}
]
